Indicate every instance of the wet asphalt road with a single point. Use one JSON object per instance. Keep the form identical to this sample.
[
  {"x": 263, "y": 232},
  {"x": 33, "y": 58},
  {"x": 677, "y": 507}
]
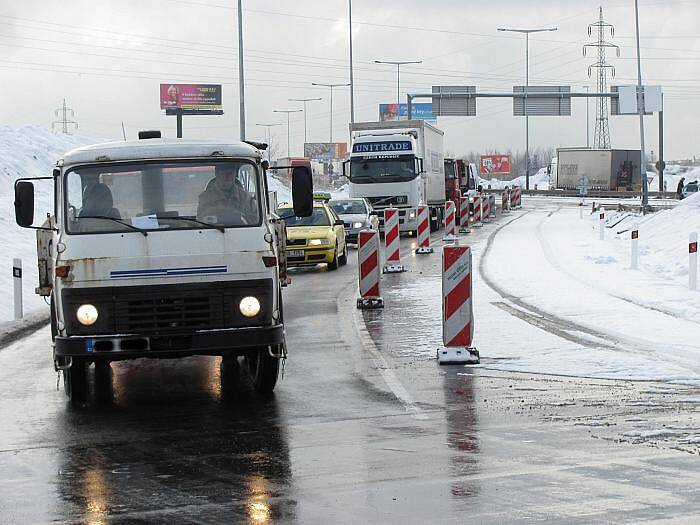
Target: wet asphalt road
[{"x": 361, "y": 430}]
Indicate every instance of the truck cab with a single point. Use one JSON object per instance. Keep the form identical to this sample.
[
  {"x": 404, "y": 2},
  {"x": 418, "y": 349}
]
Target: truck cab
[{"x": 163, "y": 248}]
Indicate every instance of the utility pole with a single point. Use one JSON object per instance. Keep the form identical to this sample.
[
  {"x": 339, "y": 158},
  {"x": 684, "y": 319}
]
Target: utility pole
[
  {"x": 288, "y": 112},
  {"x": 398, "y": 65},
  {"x": 640, "y": 109},
  {"x": 527, "y": 33},
  {"x": 65, "y": 115},
  {"x": 241, "y": 76},
  {"x": 352, "y": 82},
  {"x": 304, "y": 101},
  {"x": 602, "y": 129},
  {"x": 331, "y": 86},
  {"x": 268, "y": 137}
]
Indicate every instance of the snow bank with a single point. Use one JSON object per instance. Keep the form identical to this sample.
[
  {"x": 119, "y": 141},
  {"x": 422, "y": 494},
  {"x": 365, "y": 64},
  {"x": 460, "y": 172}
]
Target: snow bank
[
  {"x": 539, "y": 180},
  {"x": 29, "y": 151}
]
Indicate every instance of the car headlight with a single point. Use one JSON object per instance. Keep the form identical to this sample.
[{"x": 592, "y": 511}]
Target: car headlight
[
  {"x": 249, "y": 306},
  {"x": 358, "y": 224},
  {"x": 412, "y": 214},
  {"x": 319, "y": 242},
  {"x": 86, "y": 314}
]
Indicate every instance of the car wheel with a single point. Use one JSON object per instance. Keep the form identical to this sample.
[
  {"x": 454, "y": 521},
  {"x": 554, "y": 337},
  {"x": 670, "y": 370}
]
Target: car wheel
[
  {"x": 334, "y": 265},
  {"x": 343, "y": 259}
]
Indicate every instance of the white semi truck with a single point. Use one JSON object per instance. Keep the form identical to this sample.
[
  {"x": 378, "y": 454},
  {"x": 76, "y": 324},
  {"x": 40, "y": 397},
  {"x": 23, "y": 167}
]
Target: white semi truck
[
  {"x": 398, "y": 164},
  {"x": 607, "y": 170},
  {"x": 163, "y": 248}
]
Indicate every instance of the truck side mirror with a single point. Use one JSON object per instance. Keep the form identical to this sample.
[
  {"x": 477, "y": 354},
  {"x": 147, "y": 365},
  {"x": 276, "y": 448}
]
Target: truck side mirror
[
  {"x": 302, "y": 191},
  {"x": 419, "y": 166},
  {"x": 24, "y": 203}
]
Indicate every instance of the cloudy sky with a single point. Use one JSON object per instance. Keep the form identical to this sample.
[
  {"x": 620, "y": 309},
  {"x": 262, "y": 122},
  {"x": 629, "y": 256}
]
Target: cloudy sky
[{"x": 107, "y": 59}]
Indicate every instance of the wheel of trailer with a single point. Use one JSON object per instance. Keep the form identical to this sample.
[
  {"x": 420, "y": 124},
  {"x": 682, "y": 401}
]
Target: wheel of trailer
[
  {"x": 334, "y": 265},
  {"x": 263, "y": 370},
  {"x": 343, "y": 259},
  {"x": 75, "y": 381}
]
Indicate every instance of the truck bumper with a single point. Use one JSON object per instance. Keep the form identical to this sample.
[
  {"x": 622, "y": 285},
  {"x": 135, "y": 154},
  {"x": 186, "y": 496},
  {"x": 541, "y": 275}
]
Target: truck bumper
[{"x": 210, "y": 342}]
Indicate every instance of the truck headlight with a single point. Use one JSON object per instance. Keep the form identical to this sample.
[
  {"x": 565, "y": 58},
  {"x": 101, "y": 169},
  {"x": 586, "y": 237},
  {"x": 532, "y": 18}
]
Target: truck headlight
[
  {"x": 319, "y": 242},
  {"x": 412, "y": 214},
  {"x": 357, "y": 224},
  {"x": 86, "y": 314},
  {"x": 249, "y": 306}
]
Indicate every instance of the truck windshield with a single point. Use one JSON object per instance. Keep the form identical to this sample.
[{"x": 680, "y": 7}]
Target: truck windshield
[
  {"x": 135, "y": 197},
  {"x": 449, "y": 171},
  {"x": 368, "y": 171}
]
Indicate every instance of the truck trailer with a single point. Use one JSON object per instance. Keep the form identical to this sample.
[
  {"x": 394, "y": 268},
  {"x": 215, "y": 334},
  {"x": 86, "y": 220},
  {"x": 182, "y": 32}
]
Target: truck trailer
[
  {"x": 607, "y": 170},
  {"x": 398, "y": 164}
]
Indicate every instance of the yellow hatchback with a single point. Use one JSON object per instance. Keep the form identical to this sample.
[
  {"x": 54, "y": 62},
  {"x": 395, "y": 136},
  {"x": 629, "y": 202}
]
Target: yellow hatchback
[{"x": 319, "y": 238}]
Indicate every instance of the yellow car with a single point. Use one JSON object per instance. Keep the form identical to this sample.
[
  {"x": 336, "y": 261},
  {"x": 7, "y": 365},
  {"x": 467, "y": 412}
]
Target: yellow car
[{"x": 319, "y": 238}]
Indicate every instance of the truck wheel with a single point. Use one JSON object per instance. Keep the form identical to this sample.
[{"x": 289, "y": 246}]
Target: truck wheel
[
  {"x": 343, "y": 259},
  {"x": 334, "y": 265},
  {"x": 263, "y": 370},
  {"x": 75, "y": 382}
]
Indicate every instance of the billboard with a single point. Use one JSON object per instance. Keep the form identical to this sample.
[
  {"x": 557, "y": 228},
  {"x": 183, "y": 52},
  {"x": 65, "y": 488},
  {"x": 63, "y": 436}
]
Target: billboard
[
  {"x": 325, "y": 151},
  {"x": 191, "y": 98},
  {"x": 419, "y": 111},
  {"x": 495, "y": 165}
]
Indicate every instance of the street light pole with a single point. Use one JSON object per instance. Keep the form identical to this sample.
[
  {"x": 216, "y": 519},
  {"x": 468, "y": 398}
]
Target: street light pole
[
  {"x": 268, "y": 137},
  {"x": 331, "y": 86},
  {"x": 640, "y": 109},
  {"x": 304, "y": 101},
  {"x": 241, "y": 78},
  {"x": 352, "y": 82},
  {"x": 527, "y": 33},
  {"x": 288, "y": 112},
  {"x": 398, "y": 65}
]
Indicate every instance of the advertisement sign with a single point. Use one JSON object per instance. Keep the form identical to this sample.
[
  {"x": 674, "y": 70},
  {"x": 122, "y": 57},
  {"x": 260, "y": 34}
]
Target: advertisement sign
[
  {"x": 325, "y": 151},
  {"x": 191, "y": 98},
  {"x": 495, "y": 165},
  {"x": 419, "y": 111}
]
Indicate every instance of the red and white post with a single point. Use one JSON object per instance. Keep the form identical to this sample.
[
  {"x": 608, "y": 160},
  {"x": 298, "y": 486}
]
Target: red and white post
[
  {"x": 634, "y": 263},
  {"x": 485, "y": 206},
  {"x": 368, "y": 264},
  {"x": 478, "y": 216},
  {"x": 392, "y": 242},
  {"x": 457, "y": 311},
  {"x": 693, "y": 261},
  {"x": 492, "y": 206},
  {"x": 424, "y": 231},
  {"x": 464, "y": 215},
  {"x": 601, "y": 223},
  {"x": 505, "y": 201},
  {"x": 450, "y": 226},
  {"x": 518, "y": 197}
]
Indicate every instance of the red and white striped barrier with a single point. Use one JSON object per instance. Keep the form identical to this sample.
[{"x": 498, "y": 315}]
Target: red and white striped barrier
[
  {"x": 450, "y": 226},
  {"x": 424, "y": 230},
  {"x": 457, "y": 311},
  {"x": 478, "y": 216},
  {"x": 516, "y": 198},
  {"x": 485, "y": 207},
  {"x": 464, "y": 215},
  {"x": 505, "y": 201},
  {"x": 492, "y": 206},
  {"x": 368, "y": 264},
  {"x": 392, "y": 242}
]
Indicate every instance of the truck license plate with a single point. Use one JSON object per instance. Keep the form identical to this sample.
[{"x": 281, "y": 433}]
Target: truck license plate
[{"x": 295, "y": 253}]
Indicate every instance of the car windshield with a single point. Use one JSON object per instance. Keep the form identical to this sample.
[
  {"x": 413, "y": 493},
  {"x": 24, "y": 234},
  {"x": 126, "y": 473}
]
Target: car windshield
[
  {"x": 162, "y": 196},
  {"x": 318, "y": 218},
  {"x": 367, "y": 171},
  {"x": 349, "y": 207}
]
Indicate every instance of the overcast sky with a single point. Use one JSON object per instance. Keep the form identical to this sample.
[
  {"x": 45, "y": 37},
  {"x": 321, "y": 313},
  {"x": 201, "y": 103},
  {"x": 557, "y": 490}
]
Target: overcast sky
[{"x": 107, "y": 59}]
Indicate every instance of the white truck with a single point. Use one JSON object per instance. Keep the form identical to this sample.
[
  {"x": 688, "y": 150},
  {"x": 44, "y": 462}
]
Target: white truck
[
  {"x": 398, "y": 164},
  {"x": 163, "y": 248},
  {"x": 600, "y": 169}
]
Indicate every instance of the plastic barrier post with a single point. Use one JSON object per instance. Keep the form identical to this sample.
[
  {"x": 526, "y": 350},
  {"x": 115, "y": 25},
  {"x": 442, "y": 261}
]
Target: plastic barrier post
[
  {"x": 485, "y": 207},
  {"x": 504, "y": 202},
  {"x": 635, "y": 247},
  {"x": 369, "y": 275},
  {"x": 464, "y": 215},
  {"x": 601, "y": 222},
  {"x": 392, "y": 242},
  {"x": 424, "y": 231},
  {"x": 477, "y": 212},
  {"x": 693, "y": 261},
  {"x": 450, "y": 226},
  {"x": 17, "y": 278},
  {"x": 457, "y": 311},
  {"x": 492, "y": 206}
]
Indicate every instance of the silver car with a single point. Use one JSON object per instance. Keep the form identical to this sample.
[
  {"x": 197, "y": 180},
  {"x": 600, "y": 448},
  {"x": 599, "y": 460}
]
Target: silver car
[{"x": 357, "y": 215}]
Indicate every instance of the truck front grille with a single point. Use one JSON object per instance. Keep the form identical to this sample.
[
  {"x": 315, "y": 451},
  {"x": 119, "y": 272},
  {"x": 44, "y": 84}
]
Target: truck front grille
[{"x": 170, "y": 313}]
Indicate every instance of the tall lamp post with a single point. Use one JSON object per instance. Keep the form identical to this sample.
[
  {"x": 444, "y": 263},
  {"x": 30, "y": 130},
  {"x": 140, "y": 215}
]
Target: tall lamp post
[
  {"x": 641, "y": 109},
  {"x": 304, "y": 100},
  {"x": 288, "y": 112},
  {"x": 331, "y": 86},
  {"x": 352, "y": 82},
  {"x": 268, "y": 137},
  {"x": 398, "y": 64},
  {"x": 241, "y": 79},
  {"x": 527, "y": 33}
]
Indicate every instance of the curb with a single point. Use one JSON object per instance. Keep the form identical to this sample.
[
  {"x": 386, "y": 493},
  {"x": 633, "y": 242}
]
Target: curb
[{"x": 12, "y": 331}]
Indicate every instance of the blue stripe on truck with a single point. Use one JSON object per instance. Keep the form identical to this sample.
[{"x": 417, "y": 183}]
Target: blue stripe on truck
[{"x": 168, "y": 272}]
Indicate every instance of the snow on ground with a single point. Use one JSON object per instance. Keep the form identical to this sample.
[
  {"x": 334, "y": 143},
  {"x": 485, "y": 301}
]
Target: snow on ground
[
  {"x": 29, "y": 151},
  {"x": 538, "y": 181}
]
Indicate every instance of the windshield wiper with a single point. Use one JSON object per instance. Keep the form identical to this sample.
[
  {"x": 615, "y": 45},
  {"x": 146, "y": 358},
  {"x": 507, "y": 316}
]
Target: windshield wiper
[
  {"x": 123, "y": 223},
  {"x": 192, "y": 219}
]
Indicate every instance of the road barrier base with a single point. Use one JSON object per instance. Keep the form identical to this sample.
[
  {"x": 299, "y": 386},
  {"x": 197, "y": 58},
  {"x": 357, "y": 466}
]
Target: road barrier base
[
  {"x": 370, "y": 303},
  {"x": 424, "y": 251},
  {"x": 465, "y": 230},
  {"x": 458, "y": 356},
  {"x": 449, "y": 238},
  {"x": 394, "y": 268}
]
